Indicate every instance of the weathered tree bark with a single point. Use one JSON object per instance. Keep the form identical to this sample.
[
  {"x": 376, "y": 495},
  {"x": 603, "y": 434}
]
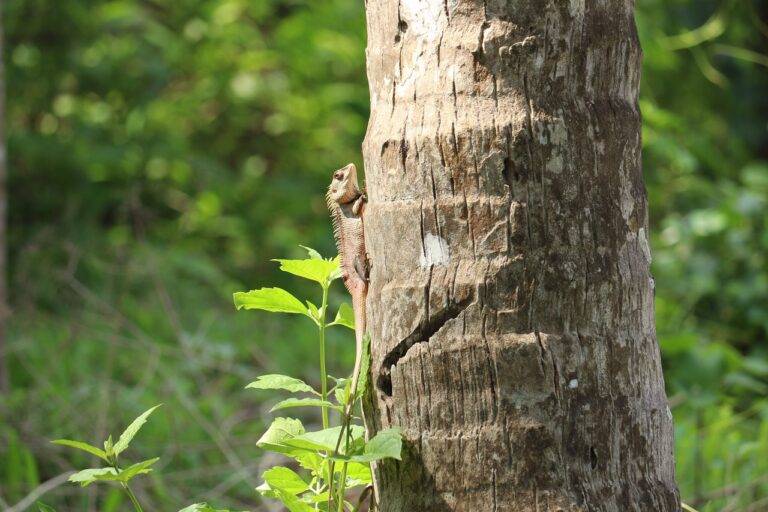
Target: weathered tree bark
[
  {"x": 511, "y": 304},
  {"x": 4, "y": 377}
]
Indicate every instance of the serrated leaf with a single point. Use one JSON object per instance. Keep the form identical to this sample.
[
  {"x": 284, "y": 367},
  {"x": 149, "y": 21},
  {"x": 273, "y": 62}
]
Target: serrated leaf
[
  {"x": 336, "y": 274},
  {"x": 281, "y": 430},
  {"x": 314, "y": 312},
  {"x": 345, "y": 316},
  {"x": 318, "y": 270},
  {"x": 277, "y": 381},
  {"x": 304, "y": 402},
  {"x": 127, "y": 435},
  {"x": 109, "y": 446},
  {"x": 313, "y": 254},
  {"x": 280, "y": 478},
  {"x": 292, "y": 503},
  {"x": 275, "y": 300},
  {"x": 140, "y": 468},
  {"x": 322, "y": 440},
  {"x": 323, "y": 497},
  {"x": 266, "y": 491},
  {"x": 309, "y": 460},
  {"x": 82, "y": 446},
  {"x": 358, "y": 474},
  {"x": 387, "y": 444},
  {"x": 341, "y": 393},
  {"x": 88, "y": 476}
]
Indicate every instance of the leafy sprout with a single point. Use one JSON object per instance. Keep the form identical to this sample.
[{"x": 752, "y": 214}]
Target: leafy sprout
[
  {"x": 324, "y": 484},
  {"x": 113, "y": 472}
]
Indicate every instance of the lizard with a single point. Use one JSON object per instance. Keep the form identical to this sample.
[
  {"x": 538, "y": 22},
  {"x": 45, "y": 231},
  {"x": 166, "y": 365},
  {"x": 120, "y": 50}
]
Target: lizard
[{"x": 346, "y": 203}]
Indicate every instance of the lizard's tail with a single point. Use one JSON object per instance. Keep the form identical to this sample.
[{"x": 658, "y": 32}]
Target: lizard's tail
[
  {"x": 359, "y": 310},
  {"x": 359, "y": 333}
]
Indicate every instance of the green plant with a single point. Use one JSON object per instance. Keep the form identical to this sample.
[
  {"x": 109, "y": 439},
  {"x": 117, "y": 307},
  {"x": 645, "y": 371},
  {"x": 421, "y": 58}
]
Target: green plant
[
  {"x": 113, "y": 472},
  {"x": 336, "y": 458}
]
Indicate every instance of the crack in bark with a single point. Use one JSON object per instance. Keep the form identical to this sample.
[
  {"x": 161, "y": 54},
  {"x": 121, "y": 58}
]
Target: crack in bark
[{"x": 422, "y": 334}]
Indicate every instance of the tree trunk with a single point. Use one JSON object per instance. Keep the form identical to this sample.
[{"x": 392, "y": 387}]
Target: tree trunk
[
  {"x": 511, "y": 304},
  {"x": 4, "y": 376}
]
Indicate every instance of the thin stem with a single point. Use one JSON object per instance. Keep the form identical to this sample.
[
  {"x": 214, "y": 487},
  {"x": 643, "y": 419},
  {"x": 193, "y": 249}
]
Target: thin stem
[
  {"x": 323, "y": 375},
  {"x": 343, "y": 480},
  {"x": 342, "y": 487},
  {"x": 133, "y": 498}
]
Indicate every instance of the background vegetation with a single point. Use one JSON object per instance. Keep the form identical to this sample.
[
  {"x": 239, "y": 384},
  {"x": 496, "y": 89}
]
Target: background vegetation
[{"x": 161, "y": 152}]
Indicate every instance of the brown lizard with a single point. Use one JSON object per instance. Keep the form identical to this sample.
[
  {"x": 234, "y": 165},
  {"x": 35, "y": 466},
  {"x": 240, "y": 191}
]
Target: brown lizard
[{"x": 347, "y": 205}]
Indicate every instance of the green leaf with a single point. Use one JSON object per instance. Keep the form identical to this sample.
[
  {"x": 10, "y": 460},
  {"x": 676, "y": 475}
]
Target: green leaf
[
  {"x": 280, "y": 478},
  {"x": 109, "y": 446},
  {"x": 280, "y": 431},
  {"x": 304, "y": 402},
  {"x": 387, "y": 444},
  {"x": 82, "y": 446},
  {"x": 125, "y": 438},
  {"x": 88, "y": 476},
  {"x": 314, "y": 312},
  {"x": 341, "y": 393},
  {"x": 42, "y": 507},
  {"x": 313, "y": 254},
  {"x": 139, "y": 468},
  {"x": 318, "y": 270},
  {"x": 275, "y": 300},
  {"x": 276, "y": 381},
  {"x": 357, "y": 474},
  {"x": 323, "y": 497},
  {"x": 345, "y": 316},
  {"x": 292, "y": 503},
  {"x": 336, "y": 274},
  {"x": 201, "y": 507},
  {"x": 322, "y": 440},
  {"x": 266, "y": 491},
  {"x": 309, "y": 460}
]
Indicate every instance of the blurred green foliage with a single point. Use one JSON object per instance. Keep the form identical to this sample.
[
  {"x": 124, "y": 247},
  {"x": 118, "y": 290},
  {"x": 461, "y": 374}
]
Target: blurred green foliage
[{"x": 161, "y": 152}]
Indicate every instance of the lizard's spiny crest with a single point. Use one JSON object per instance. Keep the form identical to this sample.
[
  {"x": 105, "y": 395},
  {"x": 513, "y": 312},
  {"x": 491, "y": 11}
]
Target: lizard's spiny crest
[{"x": 344, "y": 188}]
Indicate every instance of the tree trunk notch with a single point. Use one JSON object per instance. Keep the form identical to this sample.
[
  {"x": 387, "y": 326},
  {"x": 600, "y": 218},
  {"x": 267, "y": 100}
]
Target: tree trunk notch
[{"x": 511, "y": 303}]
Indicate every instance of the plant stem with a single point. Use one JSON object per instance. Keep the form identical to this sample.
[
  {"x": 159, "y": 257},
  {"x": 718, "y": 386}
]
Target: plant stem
[
  {"x": 133, "y": 498},
  {"x": 342, "y": 487},
  {"x": 323, "y": 376},
  {"x": 343, "y": 480}
]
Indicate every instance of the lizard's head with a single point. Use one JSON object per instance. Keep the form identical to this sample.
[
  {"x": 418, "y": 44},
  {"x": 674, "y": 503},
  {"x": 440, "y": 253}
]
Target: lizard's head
[{"x": 344, "y": 187}]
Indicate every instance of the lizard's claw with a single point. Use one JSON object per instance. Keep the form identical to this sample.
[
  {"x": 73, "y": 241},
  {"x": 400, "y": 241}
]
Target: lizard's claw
[{"x": 357, "y": 206}]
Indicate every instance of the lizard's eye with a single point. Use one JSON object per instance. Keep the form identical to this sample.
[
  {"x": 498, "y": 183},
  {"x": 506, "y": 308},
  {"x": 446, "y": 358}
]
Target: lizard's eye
[{"x": 338, "y": 175}]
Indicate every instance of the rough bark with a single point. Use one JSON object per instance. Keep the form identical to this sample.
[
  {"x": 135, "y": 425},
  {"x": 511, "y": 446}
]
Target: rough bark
[{"x": 511, "y": 303}]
